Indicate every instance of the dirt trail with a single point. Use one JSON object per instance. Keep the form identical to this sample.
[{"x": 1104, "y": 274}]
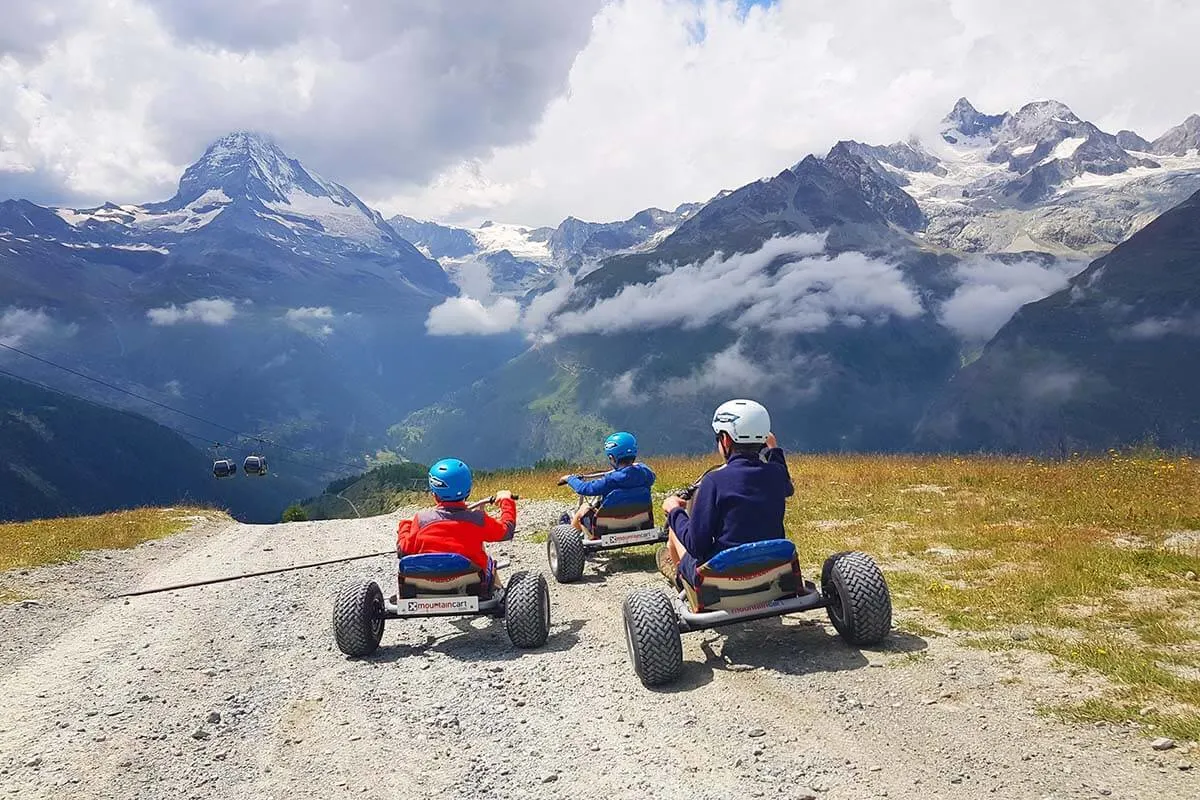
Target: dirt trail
[{"x": 237, "y": 691}]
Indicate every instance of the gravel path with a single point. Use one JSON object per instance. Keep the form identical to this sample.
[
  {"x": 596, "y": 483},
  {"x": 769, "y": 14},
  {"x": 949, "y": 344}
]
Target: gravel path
[{"x": 237, "y": 691}]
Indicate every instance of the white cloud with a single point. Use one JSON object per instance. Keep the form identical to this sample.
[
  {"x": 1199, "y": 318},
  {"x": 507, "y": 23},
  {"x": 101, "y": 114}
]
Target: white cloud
[
  {"x": 730, "y": 368},
  {"x": 473, "y": 277},
  {"x": 531, "y": 111},
  {"x": 466, "y": 316},
  {"x": 373, "y": 94},
  {"x": 655, "y": 114},
  {"x": 305, "y": 313},
  {"x": 173, "y": 388},
  {"x": 470, "y": 315},
  {"x": 19, "y": 325},
  {"x": 781, "y": 287},
  {"x": 1050, "y": 385},
  {"x": 991, "y": 291},
  {"x": 1158, "y": 327},
  {"x": 805, "y": 294},
  {"x": 211, "y": 311},
  {"x": 314, "y": 321},
  {"x": 733, "y": 369},
  {"x": 539, "y": 311}
]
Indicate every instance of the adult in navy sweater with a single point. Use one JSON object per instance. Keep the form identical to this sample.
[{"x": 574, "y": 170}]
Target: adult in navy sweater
[{"x": 738, "y": 503}]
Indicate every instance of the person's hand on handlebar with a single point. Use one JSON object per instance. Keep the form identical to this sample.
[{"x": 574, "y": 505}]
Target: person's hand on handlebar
[
  {"x": 771, "y": 440},
  {"x": 503, "y": 494},
  {"x": 563, "y": 480},
  {"x": 671, "y": 503}
]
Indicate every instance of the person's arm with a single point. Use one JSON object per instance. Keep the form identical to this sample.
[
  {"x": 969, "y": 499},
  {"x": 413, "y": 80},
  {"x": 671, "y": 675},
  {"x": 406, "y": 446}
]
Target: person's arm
[
  {"x": 503, "y": 529},
  {"x": 593, "y": 488},
  {"x": 403, "y": 535},
  {"x": 697, "y": 532},
  {"x": 774, "y": 455},
  {"x": 653, "y": 477}
]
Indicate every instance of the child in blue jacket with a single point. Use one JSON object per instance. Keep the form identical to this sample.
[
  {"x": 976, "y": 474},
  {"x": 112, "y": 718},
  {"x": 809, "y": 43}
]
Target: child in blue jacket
[{"x": 626, "y": 485}]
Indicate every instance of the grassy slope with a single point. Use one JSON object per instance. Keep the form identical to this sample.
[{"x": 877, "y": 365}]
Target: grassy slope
[
  {"x": 1082, "y": 559},
  {"x": 378, "y": 491},
  {"x": 52, "y": 541}
]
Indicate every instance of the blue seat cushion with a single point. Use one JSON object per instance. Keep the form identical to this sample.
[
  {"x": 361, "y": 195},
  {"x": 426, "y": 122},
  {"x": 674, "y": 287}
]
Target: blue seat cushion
[
  {"x": 437, "y": 564},
  {"x": 748, "y": 559}
]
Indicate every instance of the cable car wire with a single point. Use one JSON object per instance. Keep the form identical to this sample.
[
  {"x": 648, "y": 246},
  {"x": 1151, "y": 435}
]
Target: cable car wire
[
  {"x": 207, "y": 440},
  {"x": 360, "y": 468}
]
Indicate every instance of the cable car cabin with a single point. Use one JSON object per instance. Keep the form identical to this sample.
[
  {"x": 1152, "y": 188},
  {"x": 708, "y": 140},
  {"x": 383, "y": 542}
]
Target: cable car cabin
[
  {"x": 255, "y": 465},
  {"x": 224, "y": 468}
]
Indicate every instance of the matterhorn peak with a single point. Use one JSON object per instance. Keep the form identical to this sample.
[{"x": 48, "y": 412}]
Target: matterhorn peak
[{"x": 247, "y": 165}]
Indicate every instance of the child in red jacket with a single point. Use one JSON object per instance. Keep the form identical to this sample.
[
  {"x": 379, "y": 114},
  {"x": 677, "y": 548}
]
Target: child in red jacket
[{"x": 452, "y": 527}]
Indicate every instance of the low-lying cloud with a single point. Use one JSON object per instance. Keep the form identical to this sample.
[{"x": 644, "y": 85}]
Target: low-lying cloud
[
  {"x": 1158, "y": 327},
  {"x": 783, "y": 287},
  {"x": 211, "y": 311},
  {"x": 991, "y": 291},
  {"x": 18, "y": 325},
  {"x": 314, "y": 321},
  {"x": 466, "y": 316},
  {"x": 734, "y": 369},
  {"x": 21, "y": 326}
]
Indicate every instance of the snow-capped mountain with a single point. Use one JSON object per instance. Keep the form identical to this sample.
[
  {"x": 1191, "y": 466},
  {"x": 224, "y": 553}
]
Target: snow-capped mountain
[
  {"x": 520, "y": 258},
  {"x": 245, "y": 183},
  {"x": 261, "y": 295},
  {"x": 1180, "y": 140},
  {"x": 1039, "y": 178}
]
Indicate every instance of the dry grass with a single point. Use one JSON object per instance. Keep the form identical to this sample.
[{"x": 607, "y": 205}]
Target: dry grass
[
  {"x": 1089, "y": 556},
  {"x": 50, "y": 541}
]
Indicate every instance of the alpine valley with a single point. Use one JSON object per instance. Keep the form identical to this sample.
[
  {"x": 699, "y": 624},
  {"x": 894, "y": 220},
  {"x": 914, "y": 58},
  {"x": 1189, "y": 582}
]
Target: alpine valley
[{"x": 866, "y": 296}]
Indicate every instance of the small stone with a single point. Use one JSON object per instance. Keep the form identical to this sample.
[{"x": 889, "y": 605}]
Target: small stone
[
  {"x": 551, "y": 778},
  {"x": 211, "y": 673},
  {"x": 200, "y": 734},
  {"x": 756, "y": 733},
  {"x": 1163, "y": 743},
  {"x": 1021, "y": 634},
  {"x": 1189, "y": 576},
  {"x": 1184, "y": 765},
  {"x": 213, "y": 717},
  {"x": 34, "y": 762}
]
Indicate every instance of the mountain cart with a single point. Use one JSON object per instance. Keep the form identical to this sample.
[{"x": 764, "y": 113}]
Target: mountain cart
[{"x": 599, "y": 529}]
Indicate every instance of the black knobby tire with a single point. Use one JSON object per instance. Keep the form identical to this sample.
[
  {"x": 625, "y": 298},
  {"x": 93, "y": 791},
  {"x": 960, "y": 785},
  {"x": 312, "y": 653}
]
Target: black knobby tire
[
  {"x": 564, "y": 551},
  {"x": 358, "y": 617},
  {"x": 652, "y": 637},
  {"x": 860, "y": 605},
  {"x": 527, "y": 609}
]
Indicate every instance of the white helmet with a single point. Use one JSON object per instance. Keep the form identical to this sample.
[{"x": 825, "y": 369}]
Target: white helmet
[{"x": 746, "y": 421}]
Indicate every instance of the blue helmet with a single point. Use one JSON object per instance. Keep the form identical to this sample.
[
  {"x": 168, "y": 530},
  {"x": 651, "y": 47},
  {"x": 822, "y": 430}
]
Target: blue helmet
[
  {"x": 450, "y": 480},
  {"x": 620, "y": 446}
]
